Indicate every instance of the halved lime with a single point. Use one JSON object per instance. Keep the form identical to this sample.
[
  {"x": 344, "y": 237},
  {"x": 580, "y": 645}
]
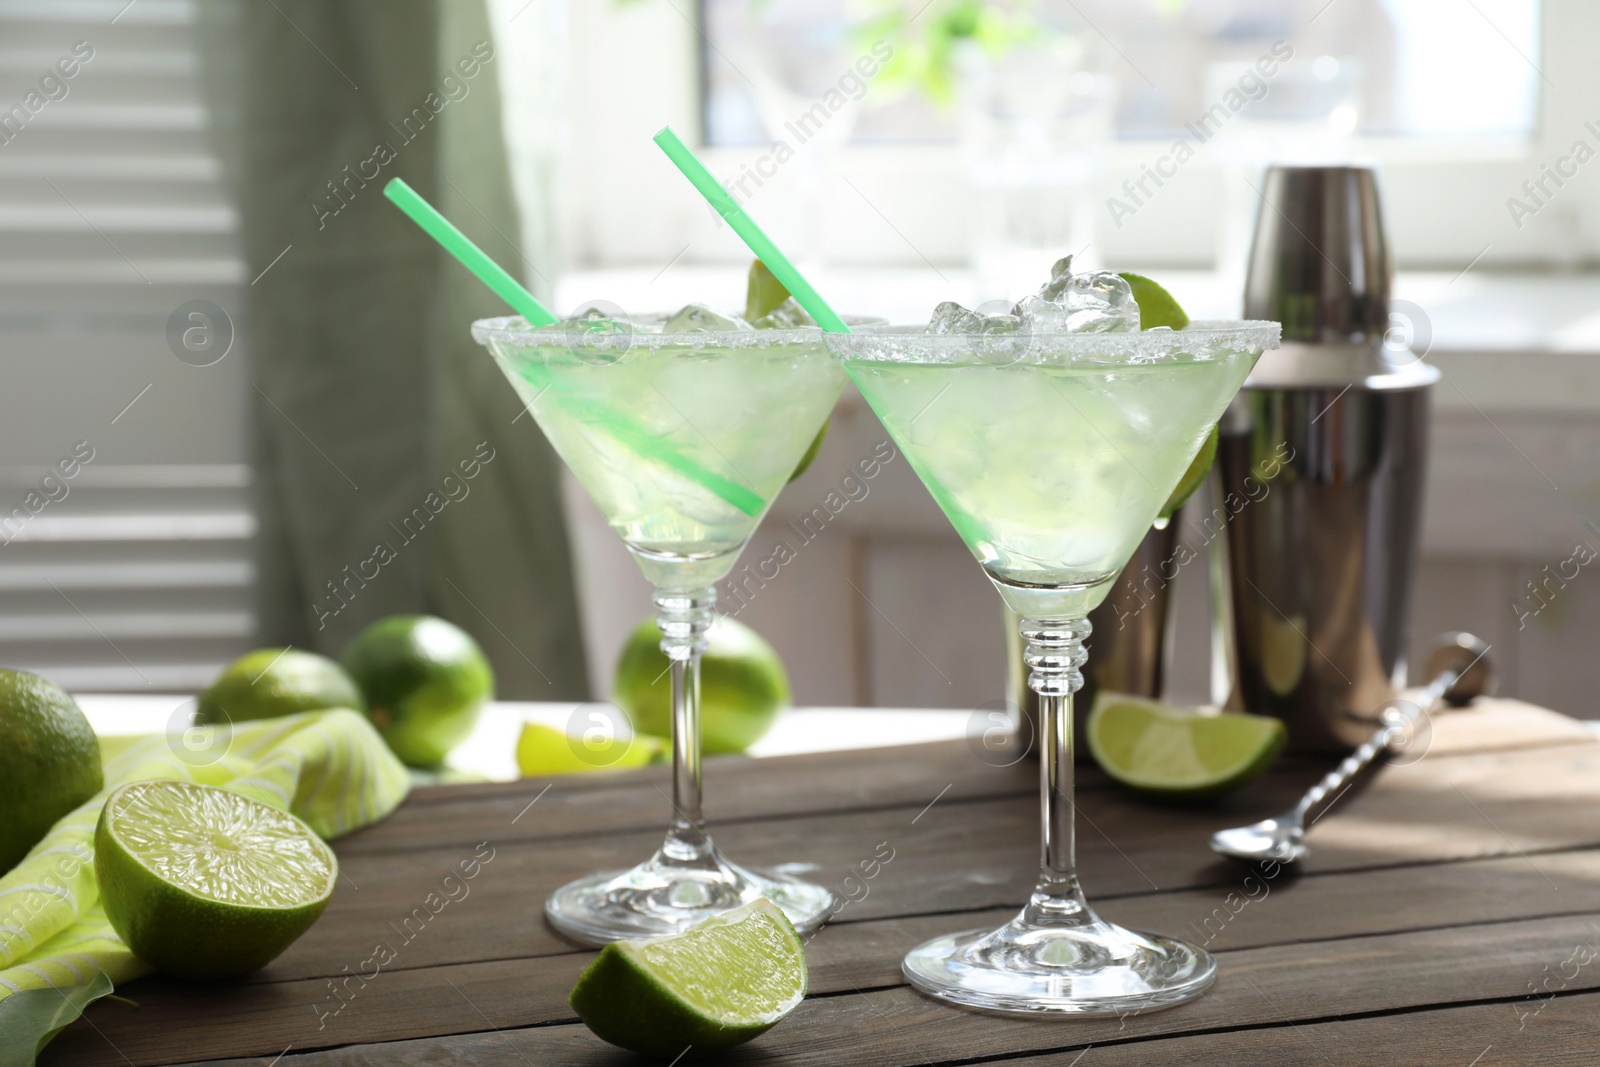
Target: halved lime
[
  {"x": 545, "y": 750},
  {"x": 204, "y": 883},
  {"x": 698, "y": 993},
  {"x": 1181, "y": 753}
]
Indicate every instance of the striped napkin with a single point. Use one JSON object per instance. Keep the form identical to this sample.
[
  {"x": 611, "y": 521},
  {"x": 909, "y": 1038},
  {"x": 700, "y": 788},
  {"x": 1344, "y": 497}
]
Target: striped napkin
[{"x": 331, "y": 768}]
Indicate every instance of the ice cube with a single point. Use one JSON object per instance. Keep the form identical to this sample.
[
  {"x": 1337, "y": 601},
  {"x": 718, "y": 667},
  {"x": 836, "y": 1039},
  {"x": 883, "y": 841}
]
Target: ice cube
[
  {"x": 951, "y": 317},
  {"x": 1103, "y": 286},
  {"x": 598, "y": 319},
  {"x": 1108, "y": 296},
  {"x": 1039, "y": 315},
  {"x": 788, "y": 315},
  {"x": 1004, "y": 322},
  {"x": 599, "y": 332},
  {"x": 1099, "y": 320},
  {"x": 1060, "y": 274},
  {"x": 697, "y": 318}
]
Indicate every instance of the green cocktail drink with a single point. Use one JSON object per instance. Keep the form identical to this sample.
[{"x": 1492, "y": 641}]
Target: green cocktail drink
[
  {"x": 1052, "y": 451},
  {"x": 682, "y": 444},
  {"x": 1050, "y": 471},
  {"x": 683, "y": 440}
]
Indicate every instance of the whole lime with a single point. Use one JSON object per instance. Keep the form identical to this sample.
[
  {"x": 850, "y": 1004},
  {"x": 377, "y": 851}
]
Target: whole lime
[
  {"x": 271, "y": 682},
  {"x": 204, "y": 883},
  {"x": 424, "y": 679},
  {"x": 49, "y": 761},
  {"x": 743, "y": 686}
]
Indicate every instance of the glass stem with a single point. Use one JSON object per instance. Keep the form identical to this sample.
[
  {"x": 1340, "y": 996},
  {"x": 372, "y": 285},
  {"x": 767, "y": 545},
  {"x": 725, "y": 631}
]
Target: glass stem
[
  {"x": 1055, "y": 656},
  {"x": 684, "y": 616}
]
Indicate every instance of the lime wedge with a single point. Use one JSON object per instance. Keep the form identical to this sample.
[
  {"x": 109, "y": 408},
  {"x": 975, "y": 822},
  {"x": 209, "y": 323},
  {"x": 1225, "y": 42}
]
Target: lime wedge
[
  {"x": 811, "y": 451},
  {"x": 1158, "y": 308},
  {"x": 1199, "y": 467},
  {"x": 698, "y": 993},
  {"x": 204, "y": 883},
  {"x": 1179, "y": 753},
  {"x": 1156, "y": 305},
  {"x": 763, "y": 293},
  {"x": 544, "y": 750}
]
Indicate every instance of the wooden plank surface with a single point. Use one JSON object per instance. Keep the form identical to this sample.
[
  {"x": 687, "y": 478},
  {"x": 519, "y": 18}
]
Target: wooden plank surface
[{"x": 1452, "y": 885}]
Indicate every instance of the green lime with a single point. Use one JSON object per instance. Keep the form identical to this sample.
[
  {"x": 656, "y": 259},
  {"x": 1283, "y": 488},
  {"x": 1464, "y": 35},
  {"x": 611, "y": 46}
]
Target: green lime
[
  {"x": 1192, "y": 478},
  {"x": 763, "y": 292},
  {"x": 544, "y": 750},
  {"x": 270, "y": 682},
  {"x": 1180, "y": 753},
  {"x": 1158, "y": 308},
  {"x": 1283, "y": 652},
  {"x": 49, "y": 761},
  {"x": 743, "y": 686},
  {"x": 424, "y": 681},
  {"x": 1156, "y": 305},
  {"x": 811, "y": 450},
  {"x": 698, "y": 993},
  {"x": 204, "y": 883}
]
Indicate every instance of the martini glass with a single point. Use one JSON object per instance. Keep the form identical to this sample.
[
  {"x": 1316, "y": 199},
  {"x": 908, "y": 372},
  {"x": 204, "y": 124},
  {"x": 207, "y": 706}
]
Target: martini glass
[
  {"x": 682, "y": 440},
  {"x": 1052, "y": 454}
]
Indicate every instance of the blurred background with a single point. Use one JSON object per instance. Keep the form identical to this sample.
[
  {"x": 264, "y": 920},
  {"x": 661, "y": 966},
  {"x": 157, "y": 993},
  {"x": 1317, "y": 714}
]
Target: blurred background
[{"x": 258, "y": 373}]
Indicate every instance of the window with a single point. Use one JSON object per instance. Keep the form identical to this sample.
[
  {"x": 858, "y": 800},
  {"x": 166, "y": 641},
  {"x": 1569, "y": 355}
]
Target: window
[
  {"x": 1424, "y": 68},
  {"x": 1459, "y": 102}
]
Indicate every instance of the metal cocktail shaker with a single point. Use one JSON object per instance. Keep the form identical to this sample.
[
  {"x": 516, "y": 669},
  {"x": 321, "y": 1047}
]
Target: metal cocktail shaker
[{"x": 1321, "y": 465}]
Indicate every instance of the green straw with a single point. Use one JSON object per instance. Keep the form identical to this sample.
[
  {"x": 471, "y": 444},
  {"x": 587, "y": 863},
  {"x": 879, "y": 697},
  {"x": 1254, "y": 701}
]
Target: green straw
[
  {"x": 495, "y": 277},
  {"x": 471, "y": 256},
  {"x": 746, "y": 228}
]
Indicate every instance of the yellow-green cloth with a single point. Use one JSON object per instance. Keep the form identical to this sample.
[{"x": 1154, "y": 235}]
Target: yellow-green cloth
[{"x": 331, "y": 768}]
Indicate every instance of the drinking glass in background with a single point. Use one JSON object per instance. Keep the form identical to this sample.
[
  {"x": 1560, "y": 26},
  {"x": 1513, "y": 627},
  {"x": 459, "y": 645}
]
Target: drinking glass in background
[
  {"x": 793, "y": 54},
  {"x": 1035, "y": 124}
]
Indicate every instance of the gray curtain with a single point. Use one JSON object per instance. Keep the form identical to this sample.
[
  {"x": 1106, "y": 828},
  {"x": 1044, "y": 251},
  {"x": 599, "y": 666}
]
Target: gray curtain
[{"x": 393, "y": 473}]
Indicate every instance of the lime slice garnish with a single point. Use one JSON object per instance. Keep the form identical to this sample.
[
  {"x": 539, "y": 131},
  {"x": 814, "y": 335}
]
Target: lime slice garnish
[
  {"x": 1156, "y": 305},
  {"x": 1192, "y": 478},
  {"x": 811, "y": 451},
  {"x": 1158, "y": 308},
  {"x": 762, "y": 294},
  {"x": 202, "y": 882},
  {"x": 1179, "y": 752},
  {"x": 712, "y": 987},
  {"x": 544, "y": 750}
]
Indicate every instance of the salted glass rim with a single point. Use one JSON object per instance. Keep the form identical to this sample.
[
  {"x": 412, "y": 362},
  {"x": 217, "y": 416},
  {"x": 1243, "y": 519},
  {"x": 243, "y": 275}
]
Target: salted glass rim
[
  {"x": 515, "y": 330},
  {"x": 1200, "y": 340}
]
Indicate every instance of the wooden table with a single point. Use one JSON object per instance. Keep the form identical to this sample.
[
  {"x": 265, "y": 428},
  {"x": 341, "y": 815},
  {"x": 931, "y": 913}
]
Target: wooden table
[{"x": 1450, "y": 915}]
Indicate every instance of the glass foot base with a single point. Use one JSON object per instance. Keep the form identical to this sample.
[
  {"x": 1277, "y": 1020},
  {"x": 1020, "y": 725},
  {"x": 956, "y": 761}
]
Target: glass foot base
[
  {"x": 656, "y": 899},
  {"x": 1088, "y": 968}
]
